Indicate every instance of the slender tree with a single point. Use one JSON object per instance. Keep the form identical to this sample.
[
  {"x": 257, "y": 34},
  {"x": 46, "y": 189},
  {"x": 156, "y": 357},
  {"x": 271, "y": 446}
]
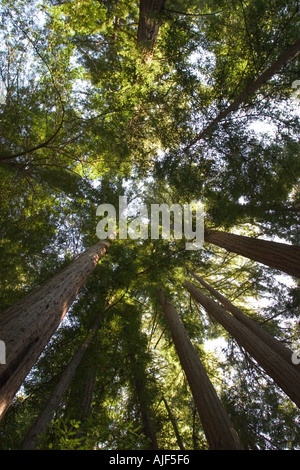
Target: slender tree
[
  {"x": 138, "y": 362},
  {"x": 148, "y": 427},
  {"x": 289, "y": 54},
  {"x": 286, "y": 377},
  {"x": 174, "y": 424},
  {"x": 215, "y": 421},
  {"x": 45, "y": 416},
  {"x": 27, "y": 326},
  {"x": 86, "y": 394},
  {"x": 280, "y": 256},
  {"x": 272, "y": 342}
]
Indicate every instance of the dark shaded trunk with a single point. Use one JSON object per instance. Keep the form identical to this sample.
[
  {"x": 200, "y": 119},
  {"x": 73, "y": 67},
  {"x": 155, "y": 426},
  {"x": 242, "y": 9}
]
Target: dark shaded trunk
[
  {"x": 148, "y": 427},
  {"x": 218, "y": 429},
  {"x": 82, "y": 409},
  {"x": 284, "y": 374},
  {"x": 86, "y": 394},
  {"x": 174, "y": 424},
  {"x": 285, "y": 258},
  {"x": 46, "y": 415},
  {"x": 27, "y": 326},
  {"x": 149, "y": 22}
]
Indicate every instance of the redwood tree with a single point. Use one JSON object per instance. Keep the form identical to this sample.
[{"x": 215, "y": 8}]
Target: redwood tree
[
  {"x": 218, "y": 429},
  {"x": 280, "y": 256},
  {"x": 284, "y": 374},
  {"x": 148, "y": 26},
  {"x": 45, "y": 416},
  {"x": 27, "y": 326},
  {"x": 174, "y": 424},
  {"x": 272, "y": 342}
]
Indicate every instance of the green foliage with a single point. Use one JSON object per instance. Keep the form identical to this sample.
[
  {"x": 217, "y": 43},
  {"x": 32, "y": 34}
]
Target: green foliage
[
  {"x": 89, "y": 117},
  {"x": 62, "y": 436}
]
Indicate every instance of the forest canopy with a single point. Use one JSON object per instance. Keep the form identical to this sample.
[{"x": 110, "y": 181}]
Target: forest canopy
[{"x": 136, "y": 342}]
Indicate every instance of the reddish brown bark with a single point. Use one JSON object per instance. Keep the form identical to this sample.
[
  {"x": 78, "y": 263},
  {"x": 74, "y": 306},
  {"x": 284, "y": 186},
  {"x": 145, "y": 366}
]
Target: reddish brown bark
[
  {"x": 218, "y": 429},
  {"x": 272, "y": 342},
  {"x": 45, "y": 416},
  {"x": 285, "y": 376},
  {"x": 149, "y": 23},
  {"x": 281, "y": 256},
  {"x": 27, "y": 326}
]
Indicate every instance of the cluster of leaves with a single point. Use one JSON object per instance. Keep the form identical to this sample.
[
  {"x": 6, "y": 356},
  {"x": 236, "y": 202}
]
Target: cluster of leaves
[{"x": 88, "y": 118}]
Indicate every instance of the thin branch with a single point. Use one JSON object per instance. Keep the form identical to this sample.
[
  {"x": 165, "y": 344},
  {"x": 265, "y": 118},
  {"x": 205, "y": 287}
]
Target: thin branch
[
  {"x": 287, "y": 56},
  {"x": 37, "y": 147},
  {"x": 50, "y": 139}
]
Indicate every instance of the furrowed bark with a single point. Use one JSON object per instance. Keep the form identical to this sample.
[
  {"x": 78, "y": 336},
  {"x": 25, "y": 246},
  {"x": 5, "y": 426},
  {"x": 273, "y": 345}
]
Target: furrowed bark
[
  {"x": 283, "y": 374},
  {"x": 217, "y": 427},
  {"x": 47, "y": 413},
  {"x": 268, "y": 339},
  {"x": 149, "y": 24},
  {"x": 281, "y": 256},
  {"x": 27, "y": 326}
]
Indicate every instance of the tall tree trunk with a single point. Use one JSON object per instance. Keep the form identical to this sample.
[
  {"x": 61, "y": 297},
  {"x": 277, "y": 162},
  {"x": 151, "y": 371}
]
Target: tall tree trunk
[
  {"x": 269, "y": 340},
  {"x": 284, "y": 374},
  {"x": 215, "y": 421},
  {"x": 46, "y": 415},
  {"x": 288, "y": 55},
  {"x": 281, "y": 256},
  {"x": 148, "y": 427},
  {"x": 27, "y": 326},
  {"x": 174, "y": 424},
  {"x": 149, "y": 24},
  {"x": 86, "y": 394}
]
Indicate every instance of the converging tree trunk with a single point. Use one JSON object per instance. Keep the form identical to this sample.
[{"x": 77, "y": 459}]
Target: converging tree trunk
[
  {"x": 268, "y": 339},
  {"x": 289, "y": 54},
  {"x": 284, "y": 374},
  {"x": 218, "y": 429},
  {"x": 281, "y": 256},
  {"x": 174, "y": 424},
  {"x": 27, "y": 326},
  {"x": 86, "y": 394},
  {"x": 148, "y": 427},
  {"x": 46, "y": 415}
]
